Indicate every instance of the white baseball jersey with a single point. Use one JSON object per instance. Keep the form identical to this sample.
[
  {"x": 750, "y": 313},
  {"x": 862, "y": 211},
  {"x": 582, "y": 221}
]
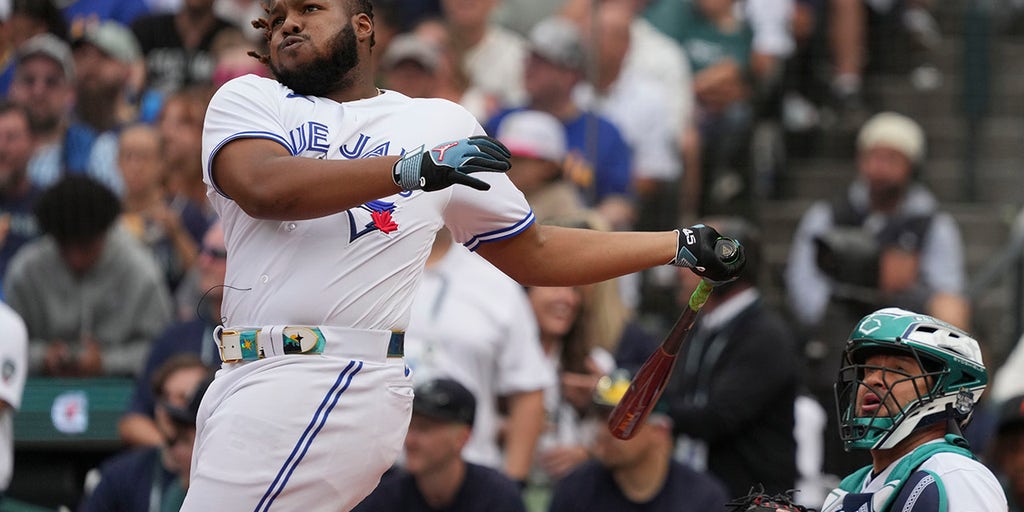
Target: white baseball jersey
[
  {"x": 969, "y": 485},
  {"x": 13, "y": 371},
  {"x": 474, "y": 324},
  {"x": 315, "y": 432},
  {"x": 358, "y": 268}
]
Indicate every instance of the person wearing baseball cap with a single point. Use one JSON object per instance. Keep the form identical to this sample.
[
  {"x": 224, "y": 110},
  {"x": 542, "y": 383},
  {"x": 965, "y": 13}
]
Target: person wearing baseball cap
[
  {"x": 43, "y": 83},
  {"x": 435, "y": 477},
  {"x": 598, "y": 161},
  {"x": 886, "y": 242},
  {"x": 637, "y": 473},
  {"x": 109, "y": 65},
  {"x": 110, "y": 37},
  {"x": 537, "y": 142},
  {"x": 67, "y": 128},
  {"x": 410, "y": 65}
]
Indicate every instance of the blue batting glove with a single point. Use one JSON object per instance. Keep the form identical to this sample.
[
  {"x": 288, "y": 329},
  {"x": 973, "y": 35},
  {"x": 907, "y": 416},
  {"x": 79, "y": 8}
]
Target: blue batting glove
[{"x": 451, "y": 163}]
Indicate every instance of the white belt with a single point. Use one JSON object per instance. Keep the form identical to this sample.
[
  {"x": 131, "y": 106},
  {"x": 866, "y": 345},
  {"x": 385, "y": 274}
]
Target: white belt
[{"x": 238, "y": 344}]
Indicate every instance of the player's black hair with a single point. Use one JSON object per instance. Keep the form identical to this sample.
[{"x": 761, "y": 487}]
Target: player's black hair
[
  {"x": 77, "y": 209},
  {"x": 263, "y": 24}
]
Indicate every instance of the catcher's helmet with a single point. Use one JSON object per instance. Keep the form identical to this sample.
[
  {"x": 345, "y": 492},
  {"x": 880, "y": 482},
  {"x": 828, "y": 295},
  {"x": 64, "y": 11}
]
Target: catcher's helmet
[{"x": 953, "y": 370}]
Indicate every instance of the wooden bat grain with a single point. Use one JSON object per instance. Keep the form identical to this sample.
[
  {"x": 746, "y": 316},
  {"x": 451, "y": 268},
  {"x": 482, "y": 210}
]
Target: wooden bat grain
[{"x": 649, "y": 382}]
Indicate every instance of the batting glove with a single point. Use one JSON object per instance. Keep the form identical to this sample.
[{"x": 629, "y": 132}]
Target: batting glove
[
  {"x": 699, "y": 249},
  {"x": 451, "y": 163}
]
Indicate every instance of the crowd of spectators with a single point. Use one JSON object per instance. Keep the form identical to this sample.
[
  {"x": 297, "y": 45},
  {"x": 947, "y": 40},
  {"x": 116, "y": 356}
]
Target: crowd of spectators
[{"x": 619, "y": 114}]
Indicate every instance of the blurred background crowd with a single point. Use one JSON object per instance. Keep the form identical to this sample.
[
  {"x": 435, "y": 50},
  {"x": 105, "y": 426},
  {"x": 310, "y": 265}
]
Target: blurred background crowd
[{"x": 867, "y": 153}]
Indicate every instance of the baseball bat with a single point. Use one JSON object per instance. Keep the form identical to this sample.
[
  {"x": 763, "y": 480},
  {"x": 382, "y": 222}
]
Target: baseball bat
[{"x": 649, "y": 382}]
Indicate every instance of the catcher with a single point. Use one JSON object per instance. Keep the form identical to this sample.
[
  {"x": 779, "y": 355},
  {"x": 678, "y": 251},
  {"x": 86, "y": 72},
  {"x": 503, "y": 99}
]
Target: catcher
[{"x": 907, "y": 385}]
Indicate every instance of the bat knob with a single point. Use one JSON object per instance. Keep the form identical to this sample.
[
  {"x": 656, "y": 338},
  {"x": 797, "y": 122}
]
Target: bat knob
[{"x": 727, "y": 250}]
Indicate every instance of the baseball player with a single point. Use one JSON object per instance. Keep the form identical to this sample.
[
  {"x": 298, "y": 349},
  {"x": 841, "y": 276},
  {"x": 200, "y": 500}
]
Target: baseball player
[
  {"x": 330, "y": 192},
  {"x": 907, "y": 385}
]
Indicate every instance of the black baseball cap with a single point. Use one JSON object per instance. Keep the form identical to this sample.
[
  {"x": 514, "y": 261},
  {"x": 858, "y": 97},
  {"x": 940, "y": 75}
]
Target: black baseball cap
[{"x": 445, "y": 399}]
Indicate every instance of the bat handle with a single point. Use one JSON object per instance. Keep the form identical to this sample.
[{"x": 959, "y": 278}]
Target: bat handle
[{"x": 727, "y": 250}]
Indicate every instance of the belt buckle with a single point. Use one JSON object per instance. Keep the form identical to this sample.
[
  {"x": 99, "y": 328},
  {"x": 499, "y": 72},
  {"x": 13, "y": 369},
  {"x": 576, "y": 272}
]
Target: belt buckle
[
  {"x": 302, "y": 340},
  {"x": 240, "y": 345}
]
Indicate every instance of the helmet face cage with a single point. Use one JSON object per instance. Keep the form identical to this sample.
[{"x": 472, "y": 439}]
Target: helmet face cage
[
  {"x": 950, "y": 380},
  {"x": 866, "y": 431}
]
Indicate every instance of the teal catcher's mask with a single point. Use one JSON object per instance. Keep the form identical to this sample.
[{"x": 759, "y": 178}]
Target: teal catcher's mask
[{"x": 952, "y": 381}]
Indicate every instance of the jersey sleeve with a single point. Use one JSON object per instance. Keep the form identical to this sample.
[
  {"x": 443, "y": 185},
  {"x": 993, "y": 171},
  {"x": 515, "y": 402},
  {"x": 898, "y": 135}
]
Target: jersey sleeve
[
  {"x": 475, "y": 217},
  {"x": 246, "y": 107}
]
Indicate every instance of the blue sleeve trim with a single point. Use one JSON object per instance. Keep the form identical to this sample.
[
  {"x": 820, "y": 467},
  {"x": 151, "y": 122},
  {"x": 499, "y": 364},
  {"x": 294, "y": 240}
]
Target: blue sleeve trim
[
  {"x": 243, "y": 135},
  {"x": 501, "y": 234}
]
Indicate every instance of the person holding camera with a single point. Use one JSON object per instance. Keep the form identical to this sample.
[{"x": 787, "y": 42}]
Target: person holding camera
[{"x": 886, "y": 242}]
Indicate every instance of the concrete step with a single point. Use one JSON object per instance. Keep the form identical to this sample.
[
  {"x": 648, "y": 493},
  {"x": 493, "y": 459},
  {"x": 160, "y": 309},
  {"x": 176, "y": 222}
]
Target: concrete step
[
  {"x": 998, "y": 137},
  {"x": 996, "y": 180},
  {"x": 827, "y": 162}
]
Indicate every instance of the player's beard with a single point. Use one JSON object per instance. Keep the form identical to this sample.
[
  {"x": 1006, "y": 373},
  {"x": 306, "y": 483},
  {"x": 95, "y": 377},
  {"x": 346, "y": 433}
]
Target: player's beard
[
  {"x": 324, "y": 74},
  {"x": 886, "y": 196}
]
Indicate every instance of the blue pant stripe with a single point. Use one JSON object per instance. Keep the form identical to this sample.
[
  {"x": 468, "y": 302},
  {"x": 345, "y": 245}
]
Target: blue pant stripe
[{"x": 264, "y": 504}]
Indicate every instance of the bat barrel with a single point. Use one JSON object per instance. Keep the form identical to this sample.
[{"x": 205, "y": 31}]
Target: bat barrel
[{"x": 649, "y": 383}]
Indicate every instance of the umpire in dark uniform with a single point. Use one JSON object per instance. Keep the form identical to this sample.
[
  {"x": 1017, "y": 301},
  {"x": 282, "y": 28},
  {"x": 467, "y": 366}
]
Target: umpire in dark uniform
[{"x": 734, "y": 386}]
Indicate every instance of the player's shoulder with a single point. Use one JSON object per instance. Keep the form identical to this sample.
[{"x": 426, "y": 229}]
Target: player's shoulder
[
  {"x": 952, "y": 467},
  {"x": 250, "y": 85},
  {"x": 432, "y": 105},
  {"x": 951, "y": 479},
  {"x": 944, "y": 462}
]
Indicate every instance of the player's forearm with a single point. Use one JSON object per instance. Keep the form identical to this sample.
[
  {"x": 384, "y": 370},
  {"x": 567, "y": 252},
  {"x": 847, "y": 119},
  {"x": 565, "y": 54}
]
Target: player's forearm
[
  {"x": 269, "y": 185},
  {"x": 525, "y": 423},
  {"x": 557, "y": 256}
]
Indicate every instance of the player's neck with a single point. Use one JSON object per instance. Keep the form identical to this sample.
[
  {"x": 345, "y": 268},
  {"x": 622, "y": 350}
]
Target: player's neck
[
  {"x": 357, "y": 89},
  {"x": 881, "y": 459}
]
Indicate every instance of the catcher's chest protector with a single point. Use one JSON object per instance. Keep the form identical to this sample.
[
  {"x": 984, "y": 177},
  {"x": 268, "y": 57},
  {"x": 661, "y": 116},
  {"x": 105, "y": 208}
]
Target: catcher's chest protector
[{"x": 892, "y": 495}]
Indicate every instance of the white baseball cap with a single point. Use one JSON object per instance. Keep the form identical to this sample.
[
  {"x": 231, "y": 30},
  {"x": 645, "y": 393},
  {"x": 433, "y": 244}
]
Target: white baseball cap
[
  {"x": 558, "y": 40},
  {"x": 112, "y": 38},
  {"x": 533, "y": 134},
  {"x": 49, "y": 46},
  {"x": 895, "y": 131},
  {"x": 410, "y": 47}
]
